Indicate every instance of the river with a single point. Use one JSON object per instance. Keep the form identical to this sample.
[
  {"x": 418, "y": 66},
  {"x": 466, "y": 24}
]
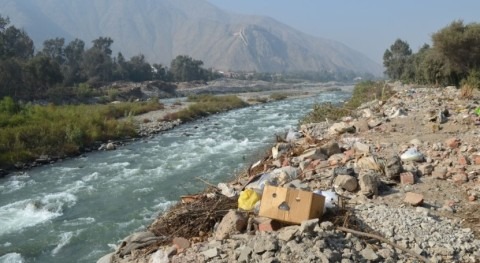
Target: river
[{"x": 77, "y": 210}]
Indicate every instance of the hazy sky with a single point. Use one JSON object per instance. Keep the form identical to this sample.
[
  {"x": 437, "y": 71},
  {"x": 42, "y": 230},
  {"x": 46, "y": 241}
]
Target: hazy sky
[{"x": 369, "y": 26}]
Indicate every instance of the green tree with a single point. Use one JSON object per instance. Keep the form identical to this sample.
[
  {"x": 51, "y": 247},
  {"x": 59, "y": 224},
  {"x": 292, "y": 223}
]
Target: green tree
[
  {"x": 160, "y": 72},
  {"x": 97, "y": 61},
  {"x": 14, "y": 43},
  {"x": 120, "y": 67},
  {"x": 459, "y": 44},
  {"x": 139, "y": 69},
  {"x": 184, "y": 68},
  {"x": 397, "y": 60},
  {"x": 11, "y": 78},
  {"x": 54, "y": 49},
  {"x": 40, "y": 74},
  {"x": 72, "y": 68}
]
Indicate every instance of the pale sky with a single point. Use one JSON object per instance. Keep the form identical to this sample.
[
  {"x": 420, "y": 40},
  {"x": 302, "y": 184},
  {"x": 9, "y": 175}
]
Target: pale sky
[{"x": 369, "y": 26}]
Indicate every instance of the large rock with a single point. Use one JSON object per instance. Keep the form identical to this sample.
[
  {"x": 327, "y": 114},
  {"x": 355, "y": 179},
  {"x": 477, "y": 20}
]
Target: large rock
[
  {"x": 341, "y": 128},
  {"x": 368, "y": 181},
  {"x": 346, "y": 182},
  {"x": 232, "y": 222},
  {"x": 393, "y": 167},
  {"x": 313, "y": 154},
  {"x": 330, "y": 149},
  {"x": 136, "y": 241}
]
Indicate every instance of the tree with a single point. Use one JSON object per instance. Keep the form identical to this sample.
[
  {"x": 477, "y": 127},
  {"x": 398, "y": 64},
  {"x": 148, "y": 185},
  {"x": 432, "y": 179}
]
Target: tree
[
  {"x": 184, "y": 68},
  {"x": 120, "y": 68},
  {"x": 14, "y": 43},
  {"x": 40, "y": 74},
  {"x": 53, "y": 48},
  {"x": 397, "y": 60},
  {"x": 71, "y": 69},
  {"x": 459, "y": 44},
  {"x": 160, "y": 72},
  {"x": 139, "y": 69},
  {"x": 97, "y": 61}
]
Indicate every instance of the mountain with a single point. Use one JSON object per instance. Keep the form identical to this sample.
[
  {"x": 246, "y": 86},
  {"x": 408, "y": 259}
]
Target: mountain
[{"x": 163, "y": 29}]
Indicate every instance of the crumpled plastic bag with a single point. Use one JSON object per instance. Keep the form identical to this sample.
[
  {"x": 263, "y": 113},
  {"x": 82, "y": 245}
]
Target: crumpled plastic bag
[
  {"x": 247, "y": 199},
  {"x": 412, "y": 154},
  {"x": 277, "y": 177}
]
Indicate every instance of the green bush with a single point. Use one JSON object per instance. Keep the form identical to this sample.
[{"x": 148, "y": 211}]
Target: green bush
[
  {"x": 34, "y": 130},
  {"x": 363, "y": 92},
  {"x": 205, "y": 105},
  {"x": 278, "y": 96}
]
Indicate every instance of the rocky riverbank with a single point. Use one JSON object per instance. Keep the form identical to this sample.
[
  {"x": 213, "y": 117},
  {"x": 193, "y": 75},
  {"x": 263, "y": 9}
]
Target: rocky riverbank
[{"x": 406, "y": 172}]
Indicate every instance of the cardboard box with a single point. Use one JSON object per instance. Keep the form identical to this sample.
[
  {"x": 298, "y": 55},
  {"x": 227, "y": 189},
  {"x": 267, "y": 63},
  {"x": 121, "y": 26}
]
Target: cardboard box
[{"x": 290, "y": 205}]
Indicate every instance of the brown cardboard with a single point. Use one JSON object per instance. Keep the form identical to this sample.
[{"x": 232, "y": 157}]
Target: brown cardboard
[{"x": 290, "y": 205}]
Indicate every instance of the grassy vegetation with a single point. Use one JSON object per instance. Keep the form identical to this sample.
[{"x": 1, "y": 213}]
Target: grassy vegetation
[
  {"x": 28, "y": 131},
  {"x": 363, "y": 92},
  {"x": 205, "y": 105},
  {"x": 278, "y": 96}
]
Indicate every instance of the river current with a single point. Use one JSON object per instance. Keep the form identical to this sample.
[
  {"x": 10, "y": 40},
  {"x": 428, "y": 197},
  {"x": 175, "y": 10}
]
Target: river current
[{"x": 77, "y": 210}]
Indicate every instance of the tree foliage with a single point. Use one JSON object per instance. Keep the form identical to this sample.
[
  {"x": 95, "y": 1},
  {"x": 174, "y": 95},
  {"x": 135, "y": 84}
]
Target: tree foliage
[{"x": 453, "y": 56}]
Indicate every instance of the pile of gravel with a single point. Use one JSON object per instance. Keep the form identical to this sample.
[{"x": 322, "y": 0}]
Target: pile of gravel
[{"x": 439, "y": 239}]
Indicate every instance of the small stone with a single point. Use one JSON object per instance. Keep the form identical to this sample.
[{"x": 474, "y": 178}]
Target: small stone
[
  {"x": 476, "y": 159},
  {"x": 425, "y": 169},
  {"x": 326, "y": 225},
  {"x": 413, "y": 198},
  {"x": 452, "y": 143},
  {"x": 369, "y": 254},
  {"x": 361, "y": 147},
  {"x": 440, "y": 173},
  {"x": 314, "y": 154},
  {"x": 460, "y": 178},
  {"x": 308, "y": 226},
  {"x": 407, "y": 178},
  {"x": 211, "y": 253},
  {"x": 361, "y": 125},
  {"x": 368, "y": 182},
  {"x": 286, "y": 234},
  {"x": 110, "y": 146},
  {"x": 232, "y": 222},
  {"x": 330, "y": 148},
  {"x": 393, "y": 167},
  {"x": 472, "y": 198},
  {"x": 181, "y": 243},
  {"x": 346, "y": 182},
  {"x": 463, "y": 160},
  {"x": 245, "y": 255}
]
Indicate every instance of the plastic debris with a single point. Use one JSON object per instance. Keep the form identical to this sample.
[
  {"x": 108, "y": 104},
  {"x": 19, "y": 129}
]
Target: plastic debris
[
  {"x": 412, "y": 154},
  {"x": 247, "y": 199}
]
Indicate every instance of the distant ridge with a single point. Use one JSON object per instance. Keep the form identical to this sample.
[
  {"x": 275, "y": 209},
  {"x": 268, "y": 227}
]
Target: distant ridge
[{"x": 163, "y": 29}]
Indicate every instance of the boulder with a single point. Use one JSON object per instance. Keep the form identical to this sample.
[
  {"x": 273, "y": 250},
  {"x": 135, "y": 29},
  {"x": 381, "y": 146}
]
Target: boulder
[
  {"x": 232, "y": 222},
  {"x": 313, "y": 154},
  {"x": 368, "y": 181},
  {"x": 346, "y": 182},
  {"x": 330, "y": 149},
  {"x": 136, "y": 241},
  {"x": 341, "y": 128},
  {"x": 393, "y": 167},
  {"x": 110, "y": 146},
  {"x": 413, "y": 199}
]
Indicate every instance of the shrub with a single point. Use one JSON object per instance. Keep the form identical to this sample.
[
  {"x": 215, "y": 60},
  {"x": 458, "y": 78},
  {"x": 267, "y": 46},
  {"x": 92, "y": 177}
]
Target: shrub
[
  {"x": 363, "y": 92},
  {"x": 471, "y": 83},
  {"x": 206, "y": 105},
  {"x": 278, "y": 96},
  {"x": 33, "y": 130}
]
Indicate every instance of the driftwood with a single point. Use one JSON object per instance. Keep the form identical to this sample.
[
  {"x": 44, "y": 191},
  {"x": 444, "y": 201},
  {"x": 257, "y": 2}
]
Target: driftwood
[{"x": 384, "y": 240}]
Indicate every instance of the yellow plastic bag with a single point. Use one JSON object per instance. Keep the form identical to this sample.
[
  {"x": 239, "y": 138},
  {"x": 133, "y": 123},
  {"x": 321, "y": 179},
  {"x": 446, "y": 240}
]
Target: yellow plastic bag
[{"x": 247, "y": 199}]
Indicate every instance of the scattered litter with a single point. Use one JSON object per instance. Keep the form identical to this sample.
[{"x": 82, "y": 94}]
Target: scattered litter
[{"x": 412, "y": 154}]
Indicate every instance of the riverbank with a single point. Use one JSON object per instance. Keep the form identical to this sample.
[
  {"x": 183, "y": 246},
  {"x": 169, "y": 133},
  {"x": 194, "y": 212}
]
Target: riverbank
[
  {"x": 153, "y": 121},
  {"x": 406, "y": 171}
]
